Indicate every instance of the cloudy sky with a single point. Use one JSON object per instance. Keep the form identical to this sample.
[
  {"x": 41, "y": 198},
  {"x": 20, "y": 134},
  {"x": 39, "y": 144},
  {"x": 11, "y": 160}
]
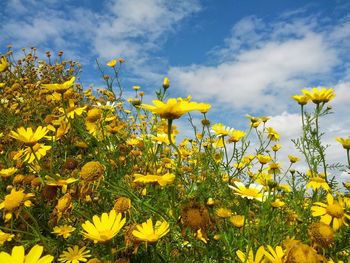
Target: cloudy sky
[{"x": 243, "y": 56}]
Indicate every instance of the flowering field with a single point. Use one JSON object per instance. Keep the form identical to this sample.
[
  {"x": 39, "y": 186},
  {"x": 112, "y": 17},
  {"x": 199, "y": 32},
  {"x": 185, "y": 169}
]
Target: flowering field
[{"x": 91, "y": 176}]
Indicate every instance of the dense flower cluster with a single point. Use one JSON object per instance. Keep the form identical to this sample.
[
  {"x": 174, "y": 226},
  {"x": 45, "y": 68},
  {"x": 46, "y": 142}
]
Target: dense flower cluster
[{"x": 90, "y": 176}]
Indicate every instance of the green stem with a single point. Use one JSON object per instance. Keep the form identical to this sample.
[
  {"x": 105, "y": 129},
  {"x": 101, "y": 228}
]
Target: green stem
[{"x": 170, "y": 122}]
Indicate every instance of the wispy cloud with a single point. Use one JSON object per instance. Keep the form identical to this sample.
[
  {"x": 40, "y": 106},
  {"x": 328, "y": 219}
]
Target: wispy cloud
[{"x": 128, "y": 28}]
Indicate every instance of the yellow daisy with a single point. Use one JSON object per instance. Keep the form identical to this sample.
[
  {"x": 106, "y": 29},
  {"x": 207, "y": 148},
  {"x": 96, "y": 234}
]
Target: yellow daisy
[
  {"x": 254, "y": 191},
  {"x": 60, "y": 88},
  {"x": 147, "y": 233},
  {"x": 18, "y": 256},
  {"x": 319, "y": 95},
  {"x": 64, "y": 231},
  {"x": 74, "y": 255},
  {"x": 274, "y": 255},
  {"x": 249, "y": 255},
  {"x": 105, "y": 228},
  {"x": 173, "y": 108},
  {"x": 332, "y": 213},
  {"x": 28, "y": 136},
  {"x": 345, "y": 142}
]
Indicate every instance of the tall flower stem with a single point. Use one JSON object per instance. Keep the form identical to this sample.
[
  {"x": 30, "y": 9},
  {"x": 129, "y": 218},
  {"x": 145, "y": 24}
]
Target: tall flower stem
[{"x": 170, "y": 122}]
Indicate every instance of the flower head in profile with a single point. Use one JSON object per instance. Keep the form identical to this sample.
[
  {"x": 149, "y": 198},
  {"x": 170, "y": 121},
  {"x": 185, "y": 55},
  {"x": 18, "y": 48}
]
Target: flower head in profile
[
  {"x": 221, "y": 130},
  {"x": 3, "y": 64},
  {"x": 28, "y": 136},
  {"x": 254, "y": 191},
  {"x": 112, "y": 63},
  {"x": 103, "y": 228},
  {"x": 60, "y": 88},
  {"x": 148, "y": 233},
  {"x": 272, "y": 134},
  {"x": 18, "y": 255},
  {"x": 345, "y": 142},
  {"x": 318, "y": 96},
  {"x": 74, "y": 255},
  {"x": 301, "y": 99},
  {"x": 173, "y": 108}
]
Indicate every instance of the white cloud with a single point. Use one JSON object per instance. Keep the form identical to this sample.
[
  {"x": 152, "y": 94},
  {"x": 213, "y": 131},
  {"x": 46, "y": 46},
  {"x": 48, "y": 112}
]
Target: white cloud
[{"x": 259, "y": 77}]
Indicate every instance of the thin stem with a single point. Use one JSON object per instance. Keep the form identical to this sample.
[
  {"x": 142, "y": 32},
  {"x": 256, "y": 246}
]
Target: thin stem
[{"x": 170, "y": 122}]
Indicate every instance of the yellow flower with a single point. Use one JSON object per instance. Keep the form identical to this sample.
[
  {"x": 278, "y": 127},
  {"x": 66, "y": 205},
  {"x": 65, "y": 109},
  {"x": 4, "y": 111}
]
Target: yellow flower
[
  {"x": 293, "y": 159},
  {"x": 331, "y": 213},
  {"x": 60, "y": 182},
  {"x": 8, "y": 172},
  {"x": 345, "y": 142},
  {"x": 162, "y": 180},
  {"x": 13, "y": 201},
  {"x": 75, "y": 255},
  {"x": 274, "y": 255},
  {"x": 319, "y": 95},
  {"x": 301, "y": 99},
  {"x": 4, "y": 237},
  {"x": 248, "y": 257},
  {"x": 236, "y": 135},
  {"x": 204, "y": 107},
  {"x": 18, "y": 256},
  {"x": 263, "y": 159},
  {"x": 237, "y": 220},
  {"x": 276, "y": 147},
  {"x": 223, "y": 212},
  {"x": 64, "y": 231},
  {"x": 272, "y": 134},
  {"x": 112, "y": 63},
  {"x": 147, "y": 233},
  {"x": 252, "y": 192},
  {"x": 221, "y": 130},
  {"x": 32, "y": 153},
  {"x": 172, "y": 109},
  {"x": 27, "y": 136},
  {"x": 105, "y": 228},
  {"x": 3, "y": 64},
  {"x": 316, "y": 182},
  {"x": 60, "y": 88},
  {"x": 277, "y": 203}
]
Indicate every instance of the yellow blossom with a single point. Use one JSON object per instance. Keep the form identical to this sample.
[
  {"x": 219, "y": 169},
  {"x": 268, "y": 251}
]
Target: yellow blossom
[
  {"x": 33, "y": 256},
  {"x": 3, "y": 64},
  {"x": 319, "y": 95},
  {"x": 345, "y": 142},
  {"x": 172, "y": 109},
  {"x": 4, "y": 237},
  {"x": 333, "y": 213},
  {"x": 27, "y": 136},
  {"x": 64, "y": 231},
  {"x": 60, "y": 88},
  {"x": 301, "y": 99},
  {"x": 75, "y": 255},
  {"x": 148, "y": 233},
  {"x": 252, "y": 192},
  {"x": 103, "y": 228},
  {"x": 13, "y": 201},
  {"x": 112, "y": 63},
  {"x": 8, "y": 172},
  {"x": 249, "y": 257}
]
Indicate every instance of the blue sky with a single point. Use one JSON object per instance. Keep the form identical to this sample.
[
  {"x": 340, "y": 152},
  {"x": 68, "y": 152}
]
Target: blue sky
[{"x": 246, "y": 56}]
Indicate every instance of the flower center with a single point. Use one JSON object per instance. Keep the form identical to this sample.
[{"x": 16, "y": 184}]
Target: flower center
[{"x": 335, "y": 210}]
